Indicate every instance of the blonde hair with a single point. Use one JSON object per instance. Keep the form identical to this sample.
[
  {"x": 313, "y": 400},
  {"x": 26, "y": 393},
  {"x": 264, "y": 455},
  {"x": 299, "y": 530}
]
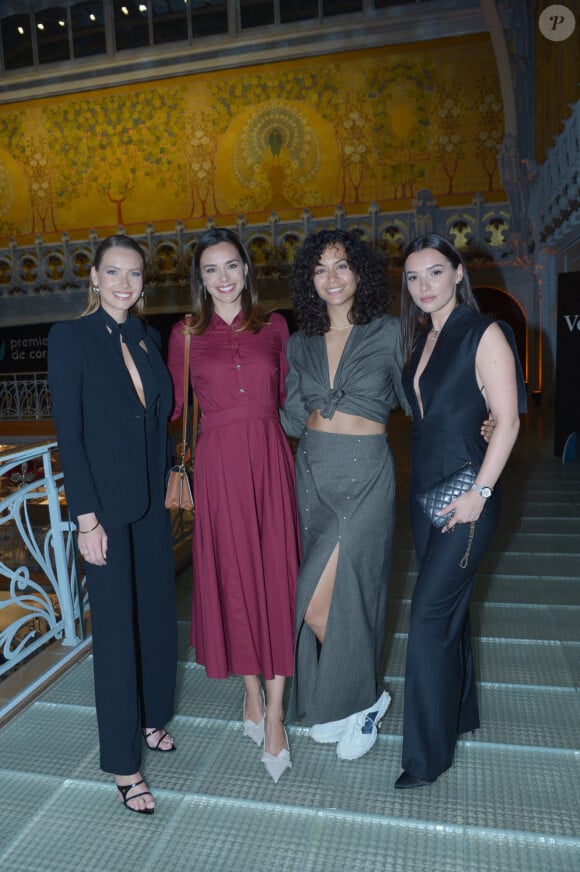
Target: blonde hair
[{"x": 119, "y": 240}]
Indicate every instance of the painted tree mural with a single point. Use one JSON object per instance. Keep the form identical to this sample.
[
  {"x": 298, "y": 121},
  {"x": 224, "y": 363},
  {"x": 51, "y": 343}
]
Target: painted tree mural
[
  {"x": 197, "y": 172},
  {"x": 351, "y": 129},
  {"x": 448, "y": 144},
  {"x": 11, "y": 137},
  {"x": 41, "y": 171},
  {"x": 488, "y": 133},
  {"x": 401, "y": 99},
  {"x": 347, "y": 129},
  {"x": 120, "y": 136}
]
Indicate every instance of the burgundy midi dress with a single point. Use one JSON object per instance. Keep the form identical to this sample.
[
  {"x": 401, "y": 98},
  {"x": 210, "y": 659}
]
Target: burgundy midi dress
[{"x": 246, "y": 532}]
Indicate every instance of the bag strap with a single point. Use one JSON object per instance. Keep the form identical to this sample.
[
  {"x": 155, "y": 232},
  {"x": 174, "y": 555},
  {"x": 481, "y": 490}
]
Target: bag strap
[{"x": 188, "y": 320}]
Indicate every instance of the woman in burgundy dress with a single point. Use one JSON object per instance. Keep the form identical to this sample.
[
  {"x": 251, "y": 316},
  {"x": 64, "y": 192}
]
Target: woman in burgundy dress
[{"x": 246, "y": 539}]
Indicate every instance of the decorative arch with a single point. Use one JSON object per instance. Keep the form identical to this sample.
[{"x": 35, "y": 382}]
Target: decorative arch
[{"x": 500, "y": 304}]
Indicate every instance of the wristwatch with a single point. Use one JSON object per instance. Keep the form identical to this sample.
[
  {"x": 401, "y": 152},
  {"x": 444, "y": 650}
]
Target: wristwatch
[{"x": 483, "y": 490}]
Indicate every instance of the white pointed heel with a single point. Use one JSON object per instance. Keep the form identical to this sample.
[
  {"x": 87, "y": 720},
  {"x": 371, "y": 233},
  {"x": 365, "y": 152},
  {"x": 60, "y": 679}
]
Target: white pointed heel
[
  {"x": 253, "y": 730},
  {"x": 277, "y": 765}
]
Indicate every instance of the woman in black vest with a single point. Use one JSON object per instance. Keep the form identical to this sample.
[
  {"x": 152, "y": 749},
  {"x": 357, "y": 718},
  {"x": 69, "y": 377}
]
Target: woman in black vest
[
  {"x": 459, "y": 365},
  {"x": 112, "y": 397}
]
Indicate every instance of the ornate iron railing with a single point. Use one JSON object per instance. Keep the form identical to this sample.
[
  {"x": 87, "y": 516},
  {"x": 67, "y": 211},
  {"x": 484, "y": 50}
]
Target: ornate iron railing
[
  {"x": 480, "y": 228},
  {"x": 41, "y": 595},
  {"x": 555, "y": 197},
  {"x": 25, "y": 397}
]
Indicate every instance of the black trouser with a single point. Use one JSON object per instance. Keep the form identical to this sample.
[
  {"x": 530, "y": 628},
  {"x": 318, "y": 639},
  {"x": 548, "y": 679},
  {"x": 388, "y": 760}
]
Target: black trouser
[
  {"x": 134, "y": 625},
  {"x": 440, "y": 691}
]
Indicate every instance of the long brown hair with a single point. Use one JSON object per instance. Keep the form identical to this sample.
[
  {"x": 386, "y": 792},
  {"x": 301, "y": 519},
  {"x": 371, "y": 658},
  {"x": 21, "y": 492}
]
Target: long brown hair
[
  {"x": 413, "y": 320},
  {"x": 202, "y": 304}
]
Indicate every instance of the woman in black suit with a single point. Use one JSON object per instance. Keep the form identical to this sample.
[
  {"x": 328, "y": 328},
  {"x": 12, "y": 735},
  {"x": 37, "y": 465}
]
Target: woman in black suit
[
  {"x": 459, "y": 366},
  {"x": 112, "y": 397}
]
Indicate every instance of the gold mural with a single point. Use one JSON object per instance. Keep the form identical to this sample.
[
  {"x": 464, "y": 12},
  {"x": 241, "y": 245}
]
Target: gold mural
[{"x": 352, "y": 129}]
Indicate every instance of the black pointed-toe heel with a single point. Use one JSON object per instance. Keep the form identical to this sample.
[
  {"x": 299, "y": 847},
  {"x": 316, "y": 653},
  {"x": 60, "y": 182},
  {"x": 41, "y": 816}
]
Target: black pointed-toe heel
[
  {"x": 124, "y": 790},
  {"x": 406, "y": 780}
]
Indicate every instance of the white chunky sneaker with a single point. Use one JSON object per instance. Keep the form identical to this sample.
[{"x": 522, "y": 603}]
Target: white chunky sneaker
[
  {"x": 360, "y": 733},
  {"x": 326, "y": 734}
]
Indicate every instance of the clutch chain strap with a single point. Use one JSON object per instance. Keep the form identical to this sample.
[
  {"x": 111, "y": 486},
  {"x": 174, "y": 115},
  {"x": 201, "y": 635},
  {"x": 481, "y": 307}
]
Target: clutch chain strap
[{"x": 465, "y": 559}]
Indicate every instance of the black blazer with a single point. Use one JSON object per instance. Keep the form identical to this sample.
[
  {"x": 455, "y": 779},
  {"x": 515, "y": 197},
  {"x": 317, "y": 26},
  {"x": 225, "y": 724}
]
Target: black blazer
[{"x": 100, "y": 421}]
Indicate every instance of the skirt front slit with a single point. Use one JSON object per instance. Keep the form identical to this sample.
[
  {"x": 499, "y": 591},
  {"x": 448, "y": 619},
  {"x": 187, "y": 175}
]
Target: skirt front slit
[{"x": 346, "y": 495}]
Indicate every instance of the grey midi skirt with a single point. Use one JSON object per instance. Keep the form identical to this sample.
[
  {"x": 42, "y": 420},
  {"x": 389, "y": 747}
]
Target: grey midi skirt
[{"x": 346, "y": 496}]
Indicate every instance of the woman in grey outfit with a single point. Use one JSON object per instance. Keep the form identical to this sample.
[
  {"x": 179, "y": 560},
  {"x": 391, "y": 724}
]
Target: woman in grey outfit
[{"x": 344, "y": 379}]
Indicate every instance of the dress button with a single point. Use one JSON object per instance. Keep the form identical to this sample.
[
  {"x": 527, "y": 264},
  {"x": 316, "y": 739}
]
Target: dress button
[
  {"x": 242, "y": 391},
  {"x": 238, "y": 366}
]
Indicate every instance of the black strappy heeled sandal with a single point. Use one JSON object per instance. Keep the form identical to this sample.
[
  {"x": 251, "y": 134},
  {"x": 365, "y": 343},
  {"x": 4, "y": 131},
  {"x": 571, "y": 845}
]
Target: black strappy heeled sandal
[
  {"x": 156, "y": 747},
  {"x": 124, "y": 790}
]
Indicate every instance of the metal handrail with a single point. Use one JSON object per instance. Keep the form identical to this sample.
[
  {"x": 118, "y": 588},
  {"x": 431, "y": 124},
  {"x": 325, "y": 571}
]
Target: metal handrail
[{"x": 41, "y": 595}]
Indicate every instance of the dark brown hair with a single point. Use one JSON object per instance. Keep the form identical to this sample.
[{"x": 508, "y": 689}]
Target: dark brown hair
[
  {"x": 372, "y": 293},
  {"x": 413, "y": 320},
  {"x": 202, "y": 303}
]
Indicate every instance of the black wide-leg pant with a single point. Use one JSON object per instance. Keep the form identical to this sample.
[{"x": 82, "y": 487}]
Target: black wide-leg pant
[
  {"x": 134, "y": 626},
  {"x": 440, "y": 688}
]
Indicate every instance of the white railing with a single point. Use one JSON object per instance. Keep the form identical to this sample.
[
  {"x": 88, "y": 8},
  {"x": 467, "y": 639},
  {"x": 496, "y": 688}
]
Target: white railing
[
  {"x": 42, "y": 591},
  {"x": 41, "y": 595}
]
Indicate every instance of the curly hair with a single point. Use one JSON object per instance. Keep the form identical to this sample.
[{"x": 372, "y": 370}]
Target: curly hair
[
  {"x": 372, "y": 296},
  {"x": 413, "y": 320},
  {"x": 202, "y": 304}
]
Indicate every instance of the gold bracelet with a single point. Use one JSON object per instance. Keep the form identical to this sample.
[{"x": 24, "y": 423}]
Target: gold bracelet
[{"x": 92, "y": 528}]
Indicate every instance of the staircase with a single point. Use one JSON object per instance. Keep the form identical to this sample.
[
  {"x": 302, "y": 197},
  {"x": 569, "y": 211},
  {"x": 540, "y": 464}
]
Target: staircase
[{"x": 511, "y": 801}]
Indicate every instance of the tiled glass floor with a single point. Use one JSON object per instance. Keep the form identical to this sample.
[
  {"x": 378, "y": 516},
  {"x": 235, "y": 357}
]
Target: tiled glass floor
[{"x": 511, "y": 801}]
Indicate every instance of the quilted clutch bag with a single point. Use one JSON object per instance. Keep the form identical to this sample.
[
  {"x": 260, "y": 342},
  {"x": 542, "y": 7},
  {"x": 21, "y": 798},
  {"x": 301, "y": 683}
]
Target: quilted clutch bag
[{"x": 441, "y": 494}]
